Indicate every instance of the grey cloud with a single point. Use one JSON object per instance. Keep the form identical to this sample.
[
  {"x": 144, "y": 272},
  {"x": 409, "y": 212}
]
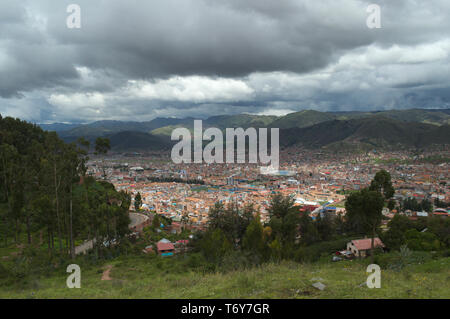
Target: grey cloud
[{"x": 152, "y": 40}]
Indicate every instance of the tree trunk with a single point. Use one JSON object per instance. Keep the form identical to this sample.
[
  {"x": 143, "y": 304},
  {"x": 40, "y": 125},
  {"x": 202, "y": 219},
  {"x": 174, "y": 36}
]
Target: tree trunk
[
  {"x": 57, "y": 209},
  {"x": 16, "y": 239},
  {"x": 372, "y": 245},
  {"x": 72, "y": 247},
  {"x": 49, "y": 240},
  {"x": 96, "y": 243},
  {"x": 28, "y": 229}
]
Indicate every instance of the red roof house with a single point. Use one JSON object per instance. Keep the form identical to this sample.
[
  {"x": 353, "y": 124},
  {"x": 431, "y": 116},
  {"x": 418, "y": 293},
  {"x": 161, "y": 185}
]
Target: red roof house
[
  {"x": 362, "y": 247},
  {"x": 165, "y": 249}
]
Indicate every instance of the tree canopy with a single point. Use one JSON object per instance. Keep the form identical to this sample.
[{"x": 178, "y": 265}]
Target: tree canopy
[{"x": 43, "y": 189}]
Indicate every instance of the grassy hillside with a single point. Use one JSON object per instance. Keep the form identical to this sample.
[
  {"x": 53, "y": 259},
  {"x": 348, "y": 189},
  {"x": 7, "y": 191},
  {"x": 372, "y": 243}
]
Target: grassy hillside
[
  {"x": 167, "y": 130},
  {"x": 434, "y": 117},
  {"x": 129, "y": 140},
  {"x": 407, "y": 128},
  {"x": 376, "y": 131},
  {"x": 240, "y": 120},
  {"x": 302, "y": 119},
  {"x": 155, "y": 277},
  {"x": 299, "y": 119}
]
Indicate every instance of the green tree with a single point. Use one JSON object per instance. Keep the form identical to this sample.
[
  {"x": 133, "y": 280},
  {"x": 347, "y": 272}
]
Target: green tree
[
  {"x": 364, "y": 210},
  {"x": 284, "y": 219},
  {"x": 326, "y": 227},
  {"x": 253, "y": 240},
  {"x": 275, "y": 250},
  {"x": 308, "y": 230},
  {"x": 137, "y": 201},
  {"x": 231, "y": 220},
  {"x": 215, "y": 245},
  {"x": 382, "y": 183},
  {"x": 426, "y": 206},
  {"x": 102, "y": 146},
  {"x": 394, "y": 237},
  {"x": 391, "y": 204}
]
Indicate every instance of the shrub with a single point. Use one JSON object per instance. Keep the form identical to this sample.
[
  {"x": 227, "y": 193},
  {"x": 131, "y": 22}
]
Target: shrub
[
  {"x": 239, "y": 260},
  {"x": 398, "y": 260},
  {"x": 422, "y": 241},
  {"x": 313, "y": 252},
  {"x": 4, "y": 272}
]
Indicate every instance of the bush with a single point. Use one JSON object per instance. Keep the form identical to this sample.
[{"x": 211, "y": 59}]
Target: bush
[
  {"x": 195, "y": 261},
  {"x": 314, "y": 252},
  {"x": 4, "y": 272},
  {"x": 239, "y": 260},
  {"x": 422, "y": 241},
  {"x": 398, "y": 260}
]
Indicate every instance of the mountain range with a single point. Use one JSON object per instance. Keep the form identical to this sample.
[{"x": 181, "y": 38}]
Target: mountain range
[{"x": 309, "y": 128}]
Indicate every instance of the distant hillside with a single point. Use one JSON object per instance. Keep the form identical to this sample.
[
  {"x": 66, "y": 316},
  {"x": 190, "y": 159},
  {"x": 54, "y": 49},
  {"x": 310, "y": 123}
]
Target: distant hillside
[
  {"x": 435, "y": 117},
  {"x": 302, "y": 119},
  {"x": 321, "y": 128},
  {"x": 309, "y": 117},
  {"x": 375, "y": 131},
  {"x": 240, "y": 120},
  {"x": 101, "y": 128},
  {"x": 58, "y": 127},
  {"x": 137, "y": 141},
  {"x": 371, "y": 132}
]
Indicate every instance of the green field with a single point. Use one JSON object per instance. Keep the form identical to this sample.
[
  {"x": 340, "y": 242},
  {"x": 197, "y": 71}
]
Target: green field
[{"x": 156, "y": 277}]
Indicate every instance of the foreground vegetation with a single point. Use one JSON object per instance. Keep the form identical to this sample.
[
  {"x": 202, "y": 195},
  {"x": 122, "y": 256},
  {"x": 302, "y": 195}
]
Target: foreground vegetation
[{"x": 156, "y": 277}]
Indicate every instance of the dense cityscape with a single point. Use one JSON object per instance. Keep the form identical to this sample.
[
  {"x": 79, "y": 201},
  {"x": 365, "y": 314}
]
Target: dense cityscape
[{"x": 317, "y": 180}]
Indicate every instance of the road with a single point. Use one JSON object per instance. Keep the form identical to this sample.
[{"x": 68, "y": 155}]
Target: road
[{"x": 135, "y": 220}]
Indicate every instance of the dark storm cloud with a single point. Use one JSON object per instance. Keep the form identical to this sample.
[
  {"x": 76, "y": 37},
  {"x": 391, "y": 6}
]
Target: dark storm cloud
[
  {"x": 163, "y": 38},
  {"x": 284, "y": 55}
]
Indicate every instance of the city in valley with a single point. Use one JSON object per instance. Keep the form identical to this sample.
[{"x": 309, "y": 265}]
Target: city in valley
[{"x": 317, "y": 180}]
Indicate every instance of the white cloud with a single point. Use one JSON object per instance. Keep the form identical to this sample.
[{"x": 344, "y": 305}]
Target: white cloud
[
  {"x": 276, "y": 112},
  {"x": 191, "y": 88},
  {"x": 76, "y": 100}
]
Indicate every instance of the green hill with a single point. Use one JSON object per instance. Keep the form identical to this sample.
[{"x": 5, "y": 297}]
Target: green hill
[
  {"x": 240, "y": 120},
  {"x": 137, "y": 141},
  {"x": 302, "y": 119},
  {"x": 221, "y": 122},
  {"x": 435, "y": 117},
  {"x": 376, "y": 131},
  {"x": 102, "y": 128},
  {"x": 308, "y": 117},
  {"x": 412, "y": 128}
]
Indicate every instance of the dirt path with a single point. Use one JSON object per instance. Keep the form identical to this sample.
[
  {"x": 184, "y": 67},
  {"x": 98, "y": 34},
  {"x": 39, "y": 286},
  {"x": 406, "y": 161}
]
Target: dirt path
[{"x": 106, "y": 273}]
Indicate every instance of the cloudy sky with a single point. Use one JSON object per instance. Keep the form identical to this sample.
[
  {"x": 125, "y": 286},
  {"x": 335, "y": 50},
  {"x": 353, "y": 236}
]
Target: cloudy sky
[{"x": 137, "y": 60}]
